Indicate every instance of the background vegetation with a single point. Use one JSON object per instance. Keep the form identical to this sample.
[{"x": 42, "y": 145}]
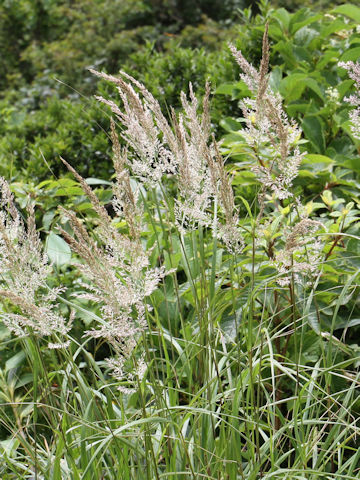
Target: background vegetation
[
  {"x": 245, "y": 379},
  {"x": 46, "y": 90}
]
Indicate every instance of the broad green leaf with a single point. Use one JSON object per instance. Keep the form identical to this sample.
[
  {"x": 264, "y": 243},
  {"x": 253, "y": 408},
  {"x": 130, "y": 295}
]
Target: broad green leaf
[
  {"x": 275, "y": 78},
  {"x": 234, "y": 138},
  {"x": 315, "y": 158},
  {"x": 44, "y": 183},
  {"x": 313, "y": 130},
  {"x": 318, "y": 162},
  {"x": 57, "y": 250},
  {"x": 344, "y": 87},
  {"x": 349, "y": 10},
  {"x": 353, "y": 55},
  {"x": 63, "y": 182},
  {"x": 292, "y": 86},
  {"x": 331, "y": 56},
  {"x": 244, "y": 178},
  {"x": 84, "y": 206},
  {"x": 296, "y": 108},
  {"x": 230, "y": 124},
  {"x": 25, "y": 380},
  {"x": 285, "y": 49},
  {"x": 314, "y": 86},
  {"x": 296, "y": 25},
  {"x": 9, "y": 446},
  {"x": 351, "y": 323},
  {"x": 15, "y": 361},
  {"x": 275, "y": 32},
  {"x": 302, "y": 54},
  {"x": 304, "y": 36},
  {"x": 235, "y": 89},
  {"x": 334, "y": 26},
  {"x": 4, "y": 334},
  {"x": 68, "y": 192},
  {"x": 48, "y": 218},
  {"x": 225, "y": 89},
  {"x": 283, "y": 17}
]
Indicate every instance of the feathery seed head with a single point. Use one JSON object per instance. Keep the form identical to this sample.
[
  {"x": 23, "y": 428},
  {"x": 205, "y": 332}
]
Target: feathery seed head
[
  {"x": 302, "y": 252},
  {"x": 184, "y": 150},
  {"x": 25, "y": 270},
  {"x": 269, "y": 132}
]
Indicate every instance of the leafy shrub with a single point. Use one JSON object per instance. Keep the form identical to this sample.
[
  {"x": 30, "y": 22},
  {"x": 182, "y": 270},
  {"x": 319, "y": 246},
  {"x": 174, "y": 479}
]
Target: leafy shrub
[
  {"x": 32, "y": 142},
  {"x": 55, "y": 44}
]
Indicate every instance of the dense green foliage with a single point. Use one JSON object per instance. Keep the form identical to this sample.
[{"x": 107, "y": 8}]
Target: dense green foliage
[
  {"x": 246, "y": 377},
  {"x": 48, "y": 46}
]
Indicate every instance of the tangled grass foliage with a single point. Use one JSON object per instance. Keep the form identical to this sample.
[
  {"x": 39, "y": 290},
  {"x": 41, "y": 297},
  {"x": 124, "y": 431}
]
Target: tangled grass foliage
[{"x": 207, "y": 356}]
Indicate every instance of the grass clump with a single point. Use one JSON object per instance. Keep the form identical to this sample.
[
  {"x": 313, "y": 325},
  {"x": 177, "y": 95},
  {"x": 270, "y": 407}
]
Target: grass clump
[{"x": 217, "y": 328}]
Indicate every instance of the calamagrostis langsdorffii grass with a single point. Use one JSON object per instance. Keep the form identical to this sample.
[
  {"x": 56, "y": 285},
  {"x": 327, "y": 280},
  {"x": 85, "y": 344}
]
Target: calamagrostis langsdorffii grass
[
  {"x": 273, "y": 139},
  {"x": 116, "y": 269},
  {"x": 184, "y": 149},
  {"x": 271, "y": 135},
  {"x": 25, "y": 270}
]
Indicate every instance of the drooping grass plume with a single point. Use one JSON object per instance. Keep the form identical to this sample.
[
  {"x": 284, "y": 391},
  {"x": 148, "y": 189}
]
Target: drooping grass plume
[
  {"x": 185, "y": 150},
  {"x": 24, "y": 274},
  {"x": 117, "y": 271},
  {"x": 269, "y": 132}
]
